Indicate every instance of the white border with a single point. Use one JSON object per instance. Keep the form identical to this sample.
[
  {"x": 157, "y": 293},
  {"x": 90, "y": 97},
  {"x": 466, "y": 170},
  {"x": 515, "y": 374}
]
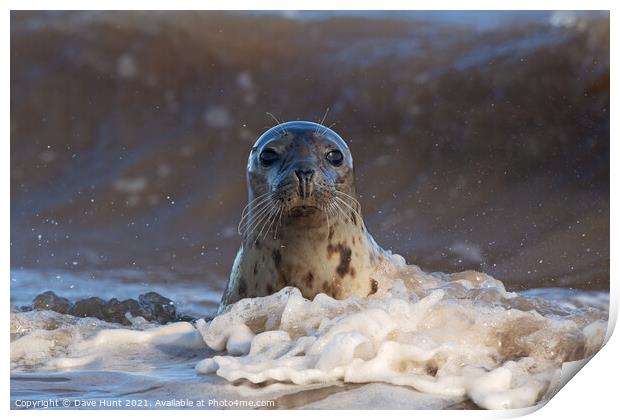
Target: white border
[{"x": 592, "y": 394}]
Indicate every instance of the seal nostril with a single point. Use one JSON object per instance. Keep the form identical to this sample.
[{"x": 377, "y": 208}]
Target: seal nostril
[
  {"x": 304, "y": 174},
  {"x": 305, "y": 178}
]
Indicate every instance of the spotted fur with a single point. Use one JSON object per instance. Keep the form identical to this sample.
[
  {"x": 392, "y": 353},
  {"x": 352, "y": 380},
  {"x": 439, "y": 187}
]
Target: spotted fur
[{"x": 302, "y": 247}]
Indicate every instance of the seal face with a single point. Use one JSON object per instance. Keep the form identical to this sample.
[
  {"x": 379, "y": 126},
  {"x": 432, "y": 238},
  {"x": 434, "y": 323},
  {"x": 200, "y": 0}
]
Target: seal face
[{"x": 302, "y": 226}]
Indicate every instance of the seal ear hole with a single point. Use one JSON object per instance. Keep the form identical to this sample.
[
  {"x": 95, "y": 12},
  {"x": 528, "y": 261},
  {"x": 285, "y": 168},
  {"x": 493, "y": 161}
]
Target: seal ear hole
[
  {"x": 334, "y": 157},
  {"x": 268, "y": 157}
]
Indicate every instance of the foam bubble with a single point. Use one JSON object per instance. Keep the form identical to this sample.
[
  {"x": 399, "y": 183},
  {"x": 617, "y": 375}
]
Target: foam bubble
[
  {"x": 443, "y": 339},
  {"x": 46, "y": 340},
  {"x": 455, "y": 336}
]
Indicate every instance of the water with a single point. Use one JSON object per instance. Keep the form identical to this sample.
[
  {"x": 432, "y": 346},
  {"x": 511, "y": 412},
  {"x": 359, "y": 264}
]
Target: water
[
  {"x": 128, "y": 148},
  {"x": 196, "y": 299},
  {"x": 448, "y": 339}
]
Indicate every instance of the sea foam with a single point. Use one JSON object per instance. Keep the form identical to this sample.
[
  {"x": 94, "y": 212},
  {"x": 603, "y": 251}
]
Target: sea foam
[
  {"x": 458, "y": 335},
  {"x": 438, "y": 338}
]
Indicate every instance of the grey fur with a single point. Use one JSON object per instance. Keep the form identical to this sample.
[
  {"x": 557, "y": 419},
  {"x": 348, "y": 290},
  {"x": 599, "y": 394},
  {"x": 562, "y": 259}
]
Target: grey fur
[{"x": 303, "y": 225}]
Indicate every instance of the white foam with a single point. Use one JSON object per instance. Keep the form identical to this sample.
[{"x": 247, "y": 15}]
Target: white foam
[
  {"x": 45, "y": 340},
  {"x": 239, "y": 341},
  {"x": 452, "y": 336},
  {"x": 443, "y": 338}
]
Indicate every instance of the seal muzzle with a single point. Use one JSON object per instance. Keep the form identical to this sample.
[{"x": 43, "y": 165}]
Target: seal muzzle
[{"x": 306, "y": 182}]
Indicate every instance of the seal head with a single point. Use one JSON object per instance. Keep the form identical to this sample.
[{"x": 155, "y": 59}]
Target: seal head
[{"x": 302, "y": 226}]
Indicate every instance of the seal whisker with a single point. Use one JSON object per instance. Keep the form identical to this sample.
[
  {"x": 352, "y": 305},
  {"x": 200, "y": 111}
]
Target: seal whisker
[
  {"x": 349, "y": 206},
  {"x": 341, "y": 213},
  {"x": 255, "y": 216},
  {"x": 255, "y": 205},
  {"x": 333, "y": 193},
  {"x": 324, "y": 116},
  {"x": 267, "y": 219},
  {"x": 258, "y": 197},
  {"x": 324, "y": 210},
  {"x": 276, "y": 230},
  {"x": 254, "y": 210},
  {"x": 278, "y": 123},
  {"x": 279, "y": 223},
  {"x": 334, "y": 211},
  {"x": 256, "y": 202},
  {"x": 255, "y": 220},
  {"x": 249, "y": 217},
  {"x": 328, "y": 128},
  {"x": 273, "y": 218},
  {"x": 354, "y": 201},
  {"x": 331, "y": 206},
  {"x": 346, "y": 195},
  {"x": 316, "y": 130},
  {"x": 258, "y": 225}
]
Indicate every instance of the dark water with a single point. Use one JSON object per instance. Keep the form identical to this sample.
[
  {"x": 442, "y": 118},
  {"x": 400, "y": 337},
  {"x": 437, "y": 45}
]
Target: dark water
[{"x": 481, "y": 141}]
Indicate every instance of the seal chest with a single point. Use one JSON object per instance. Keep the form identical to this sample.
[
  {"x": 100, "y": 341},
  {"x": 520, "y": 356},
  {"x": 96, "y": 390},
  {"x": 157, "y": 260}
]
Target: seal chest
[{"x": 303, "y": 225}]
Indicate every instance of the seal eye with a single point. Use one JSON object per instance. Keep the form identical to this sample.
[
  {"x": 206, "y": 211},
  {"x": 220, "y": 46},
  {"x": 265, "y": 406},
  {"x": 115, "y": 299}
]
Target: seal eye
[
  {"x": 268, "y": 157},
  {"x": 334, "y": 157}
]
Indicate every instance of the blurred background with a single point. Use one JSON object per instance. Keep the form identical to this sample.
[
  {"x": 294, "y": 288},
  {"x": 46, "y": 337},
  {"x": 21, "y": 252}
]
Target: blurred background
[{"x": 481, "y": 139}]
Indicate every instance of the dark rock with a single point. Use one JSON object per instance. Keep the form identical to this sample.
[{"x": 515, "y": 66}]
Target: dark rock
[
  {"x": 158, "y": 307},
  {"x": 115, "y": 310},
  {"x": 186, "y": 318},
  {"x": 151, "y": 306},
  {"x": 52, "y": 302},
  {"x": 93, "y": 306}
]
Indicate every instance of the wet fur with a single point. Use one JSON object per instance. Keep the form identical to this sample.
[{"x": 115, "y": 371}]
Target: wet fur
[{"x": 323, "y": 247}]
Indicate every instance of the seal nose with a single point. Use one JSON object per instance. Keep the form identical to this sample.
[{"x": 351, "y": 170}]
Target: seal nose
[{"x": 305, "y": 177}]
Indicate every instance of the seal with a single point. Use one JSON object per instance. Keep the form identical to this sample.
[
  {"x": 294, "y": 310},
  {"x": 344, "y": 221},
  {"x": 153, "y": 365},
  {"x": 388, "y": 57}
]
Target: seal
[{"x": 303, "y": 224}]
